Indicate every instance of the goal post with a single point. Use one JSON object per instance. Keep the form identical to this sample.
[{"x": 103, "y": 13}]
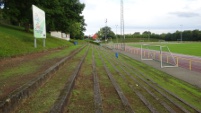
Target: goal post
[
  {"x": 148, "y": 52},
  {"x": 141, "y": 41},
  {"x": 162, "y": 41},
  {"x": 166, "y": 57},
  {"x": 159, "y": 53}
]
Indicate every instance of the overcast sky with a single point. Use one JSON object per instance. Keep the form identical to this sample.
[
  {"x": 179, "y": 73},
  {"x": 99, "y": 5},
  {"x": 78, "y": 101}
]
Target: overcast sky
[{"x": 157, "y": 16}]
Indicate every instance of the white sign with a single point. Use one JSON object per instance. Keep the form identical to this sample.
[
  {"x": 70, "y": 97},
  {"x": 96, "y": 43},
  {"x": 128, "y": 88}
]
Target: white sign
[{"x": 39, "y": 26}]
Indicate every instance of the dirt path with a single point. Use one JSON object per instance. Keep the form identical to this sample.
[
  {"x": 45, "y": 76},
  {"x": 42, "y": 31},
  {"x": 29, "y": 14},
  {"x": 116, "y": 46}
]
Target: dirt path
[{"x": 191, "y": 77}]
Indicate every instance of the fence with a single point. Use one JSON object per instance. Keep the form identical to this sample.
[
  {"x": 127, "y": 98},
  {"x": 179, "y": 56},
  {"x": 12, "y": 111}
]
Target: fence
[{"x": 190, "y": 63}]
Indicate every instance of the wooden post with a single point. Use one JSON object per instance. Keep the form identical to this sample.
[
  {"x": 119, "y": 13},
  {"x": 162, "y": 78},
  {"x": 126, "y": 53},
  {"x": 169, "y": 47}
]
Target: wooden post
[
  {"x": 167, "y": 60},
  {"x": 190, "y": 64},
  {"x": 177, "y": 61}
]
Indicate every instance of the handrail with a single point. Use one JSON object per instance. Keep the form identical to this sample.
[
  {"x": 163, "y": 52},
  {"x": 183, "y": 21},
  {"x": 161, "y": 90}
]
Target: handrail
[{"x": 189, "y": 63}]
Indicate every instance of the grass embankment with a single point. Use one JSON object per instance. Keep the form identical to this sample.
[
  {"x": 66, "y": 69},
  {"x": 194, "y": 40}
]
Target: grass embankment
[
  {"x": 125, "y": 84},
  {"x": 181, "y": 48},
  {"x": 111, "y": 102},
  {"x": 82, "y": 94},
  {"x": 17, "y": 75},
  {"x": 15, "y": 41},
  {"x": 187, "y": 92},
  {"x": 184, "y": 90},
  {"x": 34, "y": 64},
  {"x": 44, "y": 98},
  {"x": 82, "y": 97}
]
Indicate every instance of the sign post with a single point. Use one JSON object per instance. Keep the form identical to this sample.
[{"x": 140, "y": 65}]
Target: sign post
[
  {"x": 44, "y": 42},
  {"x": 39, "y": 26},
  {"x": 35, "y": 45}
]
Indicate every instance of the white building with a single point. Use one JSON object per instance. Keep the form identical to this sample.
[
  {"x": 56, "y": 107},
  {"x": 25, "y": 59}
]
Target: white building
[{"x": 59, "y": 34}]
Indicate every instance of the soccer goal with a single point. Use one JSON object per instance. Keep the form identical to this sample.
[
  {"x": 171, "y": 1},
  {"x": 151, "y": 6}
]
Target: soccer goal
[
  {"x": 141, "y": 41},
  {"x": 179, "y": 40},
  {"x": 162, "y": 41},
  {"x": 147, "y": 52},
  {"x": 158, "y": 53},
  {"x": 166, "y": 57}
]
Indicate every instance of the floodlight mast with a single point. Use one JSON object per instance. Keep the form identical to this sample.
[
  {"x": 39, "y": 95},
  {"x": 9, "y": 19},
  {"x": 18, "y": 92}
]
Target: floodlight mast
[{"x": 122, "y": 24}]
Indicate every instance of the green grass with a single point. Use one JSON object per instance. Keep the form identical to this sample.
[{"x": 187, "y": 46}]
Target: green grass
[
  {"x": 15, "y": 41},
  {"x": 111, "y": 103},
  {"x": 186, "y": 48},
  {"x": 125, "y": 85},
  {"x": 22, "y": 69},
  {"x": 34, "y": 65},
  {"x": 83, "y": 91},
  {"x": 181, "y": 48},
  {"x": 43, "y": 99},
  {"x": 60, "y": 54},
  {"x": 82, "y": 98},
  {"x": 182, "y": 89}
]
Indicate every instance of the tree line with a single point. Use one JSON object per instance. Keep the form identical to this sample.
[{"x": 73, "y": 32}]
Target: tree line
[
  {"x": 187, "y": 35},
  {"x": 61, "y": 15}
]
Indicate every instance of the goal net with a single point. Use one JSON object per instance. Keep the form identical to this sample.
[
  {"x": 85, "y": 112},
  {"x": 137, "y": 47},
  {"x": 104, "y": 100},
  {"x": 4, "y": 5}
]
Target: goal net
[
  {"x": 162, "y": 41},
  {"x": 158, "y": 53},
  {"x": 148, "y": 52},
  {"x": 166, "y": 58}
]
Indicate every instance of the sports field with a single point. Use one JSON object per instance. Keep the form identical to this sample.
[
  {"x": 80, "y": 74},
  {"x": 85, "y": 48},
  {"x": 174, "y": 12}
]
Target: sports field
[{"x": 187, "y": 48}]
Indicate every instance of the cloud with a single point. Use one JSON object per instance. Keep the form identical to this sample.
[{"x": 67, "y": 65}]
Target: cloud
[
  {"x": 185, "y": 14},
  {"x": 141, "y": 15}
]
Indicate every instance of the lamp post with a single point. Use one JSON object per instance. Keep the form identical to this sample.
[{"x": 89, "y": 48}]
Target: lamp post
[
  {"x": 122, "y": 25},
  {"x": 106, "y": 29},
  {"x": 148, "y": 35},
  {"x": 116, "y": 34},
  {"x": 181, "y": 33}
]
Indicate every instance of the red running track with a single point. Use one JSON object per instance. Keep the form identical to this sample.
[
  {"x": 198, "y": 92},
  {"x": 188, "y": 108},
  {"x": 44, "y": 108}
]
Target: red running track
[{"x": 192, "y": 63}]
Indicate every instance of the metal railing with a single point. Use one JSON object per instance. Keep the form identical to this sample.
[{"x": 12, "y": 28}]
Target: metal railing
[{"x": 192, "y": 63}]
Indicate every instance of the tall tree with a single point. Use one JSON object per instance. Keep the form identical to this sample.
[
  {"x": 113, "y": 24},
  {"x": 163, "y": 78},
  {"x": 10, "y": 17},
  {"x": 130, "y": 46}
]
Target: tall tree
[
  {"x": 195, "y": 35},
  {"x": 18, "y": 12},
  {"x": 106, "y": 32},
  {"x": 60, "y": 14},
  {"x": 72, "y": 16}
]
